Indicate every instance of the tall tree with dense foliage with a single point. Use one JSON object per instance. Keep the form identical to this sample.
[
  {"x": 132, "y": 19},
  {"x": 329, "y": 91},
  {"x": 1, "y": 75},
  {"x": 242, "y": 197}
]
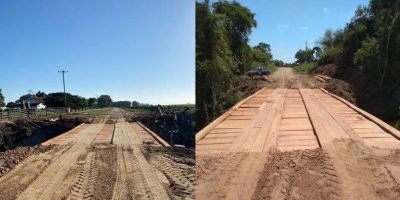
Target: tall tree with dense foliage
[
  {"x": 57, "y": 100},
  {"x": 104, "y": 101},
  {"x": 369, "y": 46},
  {"x": 262, "y": 54},
  {"x": 91, "y": 102},
  {"x": 122, "y": 104},
  {"x": 213, "y": 62},
  {"x": 1, "y": 99},
  {"x": 238, "y": 22},
  {"x": 304, "y": 56},
  {"x": 222, "y": 54}
]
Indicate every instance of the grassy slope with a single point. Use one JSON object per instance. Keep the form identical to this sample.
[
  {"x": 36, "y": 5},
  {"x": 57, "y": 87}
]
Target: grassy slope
[
  {"x": 94, "y": 111},
  {"x": 304, "y": 68}
]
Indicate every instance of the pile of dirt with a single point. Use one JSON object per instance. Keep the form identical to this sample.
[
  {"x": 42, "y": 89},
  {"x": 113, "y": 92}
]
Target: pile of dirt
[
  {"x": 326, "y": 70},
  {"x": 342, "y": 89},
  {"x": 10, "y": 158},
  {"x": 178, "y": 165},
  {"x": 297, "y": 175},
  {"x": 246, "y": 85}
]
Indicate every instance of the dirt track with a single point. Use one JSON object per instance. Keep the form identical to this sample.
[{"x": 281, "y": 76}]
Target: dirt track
[
  {"x": 83, "y": 164},
  {"x": 296, "y": 144},
  {"x": 284, "y": 77}
]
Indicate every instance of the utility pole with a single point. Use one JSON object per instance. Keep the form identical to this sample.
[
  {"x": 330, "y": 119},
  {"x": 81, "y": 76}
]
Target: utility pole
[{"x": 65, "y": 96}]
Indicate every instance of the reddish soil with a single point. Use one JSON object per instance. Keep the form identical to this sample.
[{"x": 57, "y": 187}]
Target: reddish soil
[
  {"x": 342, "y": 89},
  {"x": 9, "y": 159},
  {"x": 327, "y": 70}
]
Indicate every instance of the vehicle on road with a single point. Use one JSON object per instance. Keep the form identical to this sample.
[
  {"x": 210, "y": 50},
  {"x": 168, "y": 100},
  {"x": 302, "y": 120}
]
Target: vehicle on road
[{"x": 259, "y": 71}]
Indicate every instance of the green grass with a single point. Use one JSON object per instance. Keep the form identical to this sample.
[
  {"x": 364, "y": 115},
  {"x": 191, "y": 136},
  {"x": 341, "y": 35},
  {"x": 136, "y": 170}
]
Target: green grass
[
  {"x": 304, "y": 68},
  {"x": 139, "y": 110},
  {"x": 95, "y": 111}
]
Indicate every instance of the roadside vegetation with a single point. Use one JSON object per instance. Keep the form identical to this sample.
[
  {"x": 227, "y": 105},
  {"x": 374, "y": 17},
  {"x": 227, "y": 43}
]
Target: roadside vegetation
[
  {"x": 365, "y": 53},
  {"x": 223, "y": 56},
  {"x": 174, "y": 123},
  {"x": 305, "y": 68},
  {"x": 90, "y": 111}
]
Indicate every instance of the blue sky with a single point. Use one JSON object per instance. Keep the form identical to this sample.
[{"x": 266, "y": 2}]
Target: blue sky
[
  {"x": 288, "y": 24},
  {"x": 129, "y": 49}
]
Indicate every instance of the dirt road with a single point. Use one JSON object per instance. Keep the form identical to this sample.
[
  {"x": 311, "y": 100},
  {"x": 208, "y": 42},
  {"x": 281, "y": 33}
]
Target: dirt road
[
  {"x": 297, "y": 144},
  {"x": 284, "y": 77},
  {"x": 98, "y": 161}
]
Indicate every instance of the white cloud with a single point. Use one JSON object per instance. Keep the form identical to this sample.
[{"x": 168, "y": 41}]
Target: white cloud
[{"x": 328, "y": 11}]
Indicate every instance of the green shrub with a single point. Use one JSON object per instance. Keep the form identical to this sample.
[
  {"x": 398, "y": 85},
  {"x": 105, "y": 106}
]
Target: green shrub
[{"x": 304, "y": 68}]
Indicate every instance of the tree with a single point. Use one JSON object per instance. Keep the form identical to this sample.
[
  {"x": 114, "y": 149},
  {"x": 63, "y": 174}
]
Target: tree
[
  {"x": 368, "y": 47},
  {"x": 213, "y": 62},
  {"x": 304, "y": 56},
  {"x": 278, "y": 63},
  {"x": 238, "y": 22},
  {"x": 24, "y": 97},
  {"x": 1, "y": 99},
  {"x": 75, "y": 101},
  {"x": 262, "y": 54},
  {"x": 122, "y": 104},
  {"x": 91, "y": 102},
  {"x": 104, "y": 101},
  {"x": 135, "y": 104},
  {"x": 10, "y": 105},
  {"x": 57, "y": 100},
  {"x": 40, "y": 94}
]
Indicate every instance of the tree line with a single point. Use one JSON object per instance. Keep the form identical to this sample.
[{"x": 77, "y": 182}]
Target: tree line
[
  {"x": 367, "y": 54},
  {"x": 56, "y": 99},
  {"x": 223, "y": 54}
]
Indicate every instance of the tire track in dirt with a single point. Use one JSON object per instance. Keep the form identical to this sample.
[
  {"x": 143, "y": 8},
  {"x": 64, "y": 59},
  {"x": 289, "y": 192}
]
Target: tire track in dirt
[
  {"x": 136, "y": 178},
  {"x": 302, "y": 174},
  {"x": 86, "y": 179},
  {"x": 47, "y": 184},
  {"x": 179, "y": 171}
]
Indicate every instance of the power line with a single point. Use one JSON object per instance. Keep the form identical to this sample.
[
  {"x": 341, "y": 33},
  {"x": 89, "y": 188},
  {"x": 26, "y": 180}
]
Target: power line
[{"x": 65, "y": 96}]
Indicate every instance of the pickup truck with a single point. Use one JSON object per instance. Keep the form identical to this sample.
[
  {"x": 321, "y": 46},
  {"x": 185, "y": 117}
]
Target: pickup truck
[{"x": 259, "y": 71}]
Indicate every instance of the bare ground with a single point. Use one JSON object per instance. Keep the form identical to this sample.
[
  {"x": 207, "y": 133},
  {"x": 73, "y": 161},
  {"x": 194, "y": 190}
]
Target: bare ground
[
  {"x": 178, "y": 165},
  {"x": 284, "y": 77}
]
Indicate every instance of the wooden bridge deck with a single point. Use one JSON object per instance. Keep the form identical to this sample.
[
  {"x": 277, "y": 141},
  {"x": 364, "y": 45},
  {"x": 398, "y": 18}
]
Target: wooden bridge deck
[{"x": 284, "y": 119}]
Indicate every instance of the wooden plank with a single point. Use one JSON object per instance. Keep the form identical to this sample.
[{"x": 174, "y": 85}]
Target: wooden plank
[
  {"x": 206, "y": 130},
  {"x": 225, "y": 140},
  {"x": 288, "y": 127},
  {"x": 380, "y": 123},
  {"x": 257, "y": 123},
  {"x": 154, "y": 135},
  {"x": 211, "y": 135},
  {"x": 272, "y": 137}
]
